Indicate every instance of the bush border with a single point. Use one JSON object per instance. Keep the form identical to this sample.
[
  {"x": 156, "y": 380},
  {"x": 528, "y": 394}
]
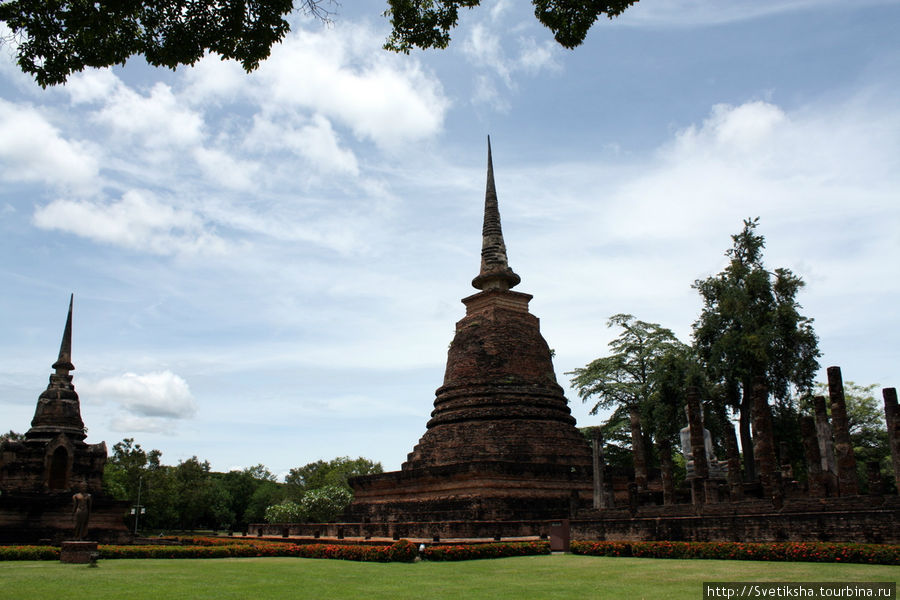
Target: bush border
[{"x": 828, "y": 552}]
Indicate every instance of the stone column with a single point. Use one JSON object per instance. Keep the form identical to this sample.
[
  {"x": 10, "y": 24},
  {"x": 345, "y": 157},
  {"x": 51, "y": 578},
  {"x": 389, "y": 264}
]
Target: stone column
[
  {"x": 815, "y": 476},
  {"x": 873, "y": 474},
  {"x": 892, "y": 419},
  {"x": 638, "y": 449},
  {"x": 597, "y": 446},
  {"x": 698, "y": 447},
  {"x": 843, "y": 449},
  {"x": 735, "y": 482},
  {"x": 823, "y": 432},
  {"x": 787, "y": 469},
  {"x": 764, "y": 442},
  {"x": 632, "y": 498},
  {"x": 665, "y": 469},
  {"x": 826, "y": 446}
]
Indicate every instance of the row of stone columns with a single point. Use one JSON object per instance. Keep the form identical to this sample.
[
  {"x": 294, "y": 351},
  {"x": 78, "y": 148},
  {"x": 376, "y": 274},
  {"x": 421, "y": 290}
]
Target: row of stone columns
[{"x": 831, "y": 464}]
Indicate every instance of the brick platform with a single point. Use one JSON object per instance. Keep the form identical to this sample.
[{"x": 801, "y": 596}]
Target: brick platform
[{"x": 77, "y": 552}]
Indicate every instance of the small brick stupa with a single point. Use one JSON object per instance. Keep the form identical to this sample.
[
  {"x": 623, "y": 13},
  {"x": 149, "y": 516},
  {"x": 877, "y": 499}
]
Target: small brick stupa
[
  {"x": 40, "y": 474},
  {"x": 501, "y": 444}
]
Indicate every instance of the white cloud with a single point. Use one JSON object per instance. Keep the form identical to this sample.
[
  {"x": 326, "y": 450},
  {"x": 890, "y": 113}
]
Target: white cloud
[
  {"x": 149, "y": 402},
  {"x": 93, "y": 85},
  {"x": 314, "y": 140},
  {"x": 138, "y": 221},
  {"x": 755, "y": 159},
  {"x": 213, "y": 79},
  {"x": 534, "y": 57},
  {"x": 159, "y": 120},
  {"x": 221, "y": 168},
  {"x": 33, "y": 149},
  {"x": 342, "y": 75},
  {"x": 750, "y": 128}
]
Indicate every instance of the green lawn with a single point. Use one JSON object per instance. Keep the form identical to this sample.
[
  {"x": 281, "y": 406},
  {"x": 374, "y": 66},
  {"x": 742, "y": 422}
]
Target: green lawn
[{"x": 538, "y": 577}]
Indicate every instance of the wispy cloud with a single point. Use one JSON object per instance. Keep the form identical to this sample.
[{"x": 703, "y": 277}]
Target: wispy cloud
[
  {"x": 502, "y": 46},
  {"x": 138, "y": 221},
  {"x": 698, "y": 13}
]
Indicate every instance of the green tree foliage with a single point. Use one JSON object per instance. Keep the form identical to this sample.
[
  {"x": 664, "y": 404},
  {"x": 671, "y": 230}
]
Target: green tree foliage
[
  {"x": 319, "y": 505},
  {"x": 626, "y": 381},
  {"x": 11, "y": 436},
  {"x": 287, "y": 511},
  {"x": 55, "y": 38},
  {"x": 674, "y": 371},
  {"x": 750, "y": 327},
  {"x": 427, "y": 23},
  {"x": 188, "y": 495},
  {"x": 325, "y": 504},
  {"x": 249, "y": 491},
  {"x": 625, "y": 377},
  {"x": 334, "y": 472},
  {"x": 265, "y": 495},
  {"x": 127, "y": 467}
]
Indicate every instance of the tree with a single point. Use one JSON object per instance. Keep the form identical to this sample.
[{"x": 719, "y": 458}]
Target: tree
[
  {"x": 750, "y": 328},
  {"x": 242, "y": 487},
  {"x": 334, "y": 472},
  {"x": 12, "y": 436},
  {"x": 427, "y": 23},
  {"x": 325, "y": 504},
  {"x": 56, "y": 38},
  {"x": 193, "y": 488},
  {"x": 624, "y": 380},
  {"x": 267, "y": 494},
  {"x": 287, "y": 511},
  {"x": 127, "y": 468}
]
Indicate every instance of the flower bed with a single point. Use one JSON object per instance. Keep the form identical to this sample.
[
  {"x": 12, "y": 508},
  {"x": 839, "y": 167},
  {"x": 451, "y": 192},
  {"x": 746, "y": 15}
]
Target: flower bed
[
  {"x": 497, "y": 550},
  {"x": 881, "y": 554},
  {"x": 400, "y": 551},
  {"x": 405, "y": 551},
  {"x": 29, "y": 553}
]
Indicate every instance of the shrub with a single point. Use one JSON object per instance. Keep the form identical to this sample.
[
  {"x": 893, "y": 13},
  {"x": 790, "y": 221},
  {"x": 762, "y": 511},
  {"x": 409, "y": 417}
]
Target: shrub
[
  {"x": 286, "y": 512},
  {"x": 326, "y": 503},
  {"x": 475, "y": 551},
  {"x": 29, "y": 553},
  {"x": 882, "y": 554}
]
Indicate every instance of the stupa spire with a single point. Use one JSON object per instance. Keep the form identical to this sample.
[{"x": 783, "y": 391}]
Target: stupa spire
[
  {"x": 58, "y": 410},
  {"x": 495, "y": 273},
  {"x": 64, "y": 364}
]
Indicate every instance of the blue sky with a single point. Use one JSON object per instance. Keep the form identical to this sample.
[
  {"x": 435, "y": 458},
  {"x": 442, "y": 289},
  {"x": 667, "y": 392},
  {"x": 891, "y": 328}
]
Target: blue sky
[{"x": 267, "y": 268}]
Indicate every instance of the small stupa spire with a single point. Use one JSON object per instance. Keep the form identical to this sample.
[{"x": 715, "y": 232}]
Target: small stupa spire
[
  {"x": 64, "y": 364},
  {"x": 58, "y": 409},
  {"x": 495, "y": 273}
]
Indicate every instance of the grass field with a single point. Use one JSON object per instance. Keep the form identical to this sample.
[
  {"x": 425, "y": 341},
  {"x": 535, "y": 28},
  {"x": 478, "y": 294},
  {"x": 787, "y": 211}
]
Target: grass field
[{"x": 538, "y": 577}]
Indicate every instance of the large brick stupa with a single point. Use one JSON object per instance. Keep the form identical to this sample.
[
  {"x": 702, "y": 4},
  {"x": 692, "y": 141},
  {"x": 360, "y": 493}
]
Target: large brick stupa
[{"x": 501, "y": 444}]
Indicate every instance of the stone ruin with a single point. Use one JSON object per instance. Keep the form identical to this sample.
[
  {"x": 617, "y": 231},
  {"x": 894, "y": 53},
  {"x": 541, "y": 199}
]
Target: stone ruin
[
  {"x": 41, "y": 474},
  {"x": 501, "y": 456},
  {"x": 774, "y": 507}
]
